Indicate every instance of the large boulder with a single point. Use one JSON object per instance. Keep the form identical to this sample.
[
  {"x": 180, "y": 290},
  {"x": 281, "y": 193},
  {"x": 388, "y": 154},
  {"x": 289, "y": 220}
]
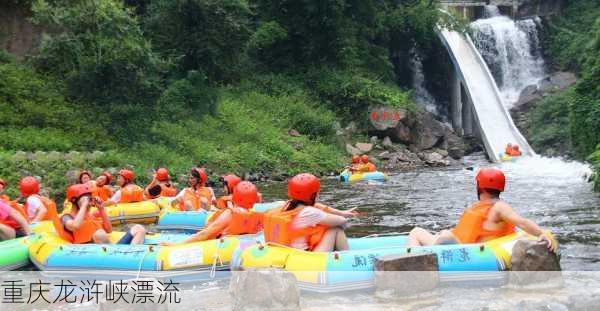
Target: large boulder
[
  {"x": 352, "y": 150},
  {"x": 364, "y": 147},
  {"x": 264, "y": 289},
  {"x": 428, "y": 132},
  {"x": 532, "y": 263},
  {"x": 393, "y": 271}
]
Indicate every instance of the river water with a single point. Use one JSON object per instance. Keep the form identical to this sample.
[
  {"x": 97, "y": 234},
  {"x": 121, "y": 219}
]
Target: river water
[{"x": 551, "y": 192}]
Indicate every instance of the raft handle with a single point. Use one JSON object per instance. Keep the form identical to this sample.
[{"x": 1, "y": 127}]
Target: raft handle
[
  {"x": 481, "y": 248},
  {"x": 408, "y": 250}
]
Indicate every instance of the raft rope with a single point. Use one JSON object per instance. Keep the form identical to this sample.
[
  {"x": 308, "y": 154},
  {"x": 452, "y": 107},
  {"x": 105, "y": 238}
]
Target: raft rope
[
  {"x": 374, "y": 235},
  {"x": 141, "y": 263},
  {"x": 216, "y": 257}
]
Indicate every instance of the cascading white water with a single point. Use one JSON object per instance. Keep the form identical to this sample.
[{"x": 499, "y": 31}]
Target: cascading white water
[
  {"x": 511, "y": 50},
  {"x": 421, "y": 95}
]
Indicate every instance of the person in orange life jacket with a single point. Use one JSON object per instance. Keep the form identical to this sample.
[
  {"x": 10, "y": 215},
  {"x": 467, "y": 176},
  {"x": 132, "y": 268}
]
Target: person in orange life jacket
[
  {"x": 84, "y": 177},
  {"x": 197, "y": 196},
  {"x": 234, "y": 220},
  {"x": 80, "y": 227},
  {"x": 229, "y": 183},
  {"x": 13, "y": 222},
  {"x": 366, "y": 165},
  {"x": 129, "y": 192},
  {"x": 103, "y": 190},
  {"x": 312, "y": 226},
  {"x": 487, "y": 219},
  {"x": 355, "y": 165},
  {"x": 161, "y": 181},
  {"x": 36, "y": 205}
]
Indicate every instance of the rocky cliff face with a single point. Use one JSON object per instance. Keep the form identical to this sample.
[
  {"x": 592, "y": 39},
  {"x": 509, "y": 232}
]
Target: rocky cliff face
[{"x": 17, "y": 34}]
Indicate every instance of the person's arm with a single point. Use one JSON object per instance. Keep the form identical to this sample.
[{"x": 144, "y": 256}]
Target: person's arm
[
  {"x": 106, "y": 225},
  {"x": 326, "y": 208},
  {"x": 115, "y": 199},
  {"x": 509, "y": 215},
  {"x": 20, "y": 220},
  {"x": 210, "y": 232},
  {"x": 333, "y": 220}
]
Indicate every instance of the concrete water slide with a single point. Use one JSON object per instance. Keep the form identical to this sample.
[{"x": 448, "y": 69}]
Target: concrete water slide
[{"x": 494, "y": 123}]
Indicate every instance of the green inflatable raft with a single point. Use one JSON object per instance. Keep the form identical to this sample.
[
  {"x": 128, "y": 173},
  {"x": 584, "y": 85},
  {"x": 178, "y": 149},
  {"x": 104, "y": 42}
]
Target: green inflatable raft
[{"x": 14, "y": 253}]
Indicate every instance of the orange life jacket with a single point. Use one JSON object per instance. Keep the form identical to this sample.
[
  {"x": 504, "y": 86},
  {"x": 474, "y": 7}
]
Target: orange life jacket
[
  {"x": 47, "y": 202},
  {"x": 103, "y": 193},
  {"x": 371, "y": 167},
  {"x": 470, "y": 226},
  {"x": 247, "y": 222},
  {"x": 278, "y": 228},
  {"x": 511, "y": 151},
  {"x": 190, "y": 195},
  {"x": 83, "y": 235},
  {"x": 222, "y": 202},
  {"x": 10, "y": 221},
  {"x": 132, "y": 193},
  {"x": 168, "y": 191}
]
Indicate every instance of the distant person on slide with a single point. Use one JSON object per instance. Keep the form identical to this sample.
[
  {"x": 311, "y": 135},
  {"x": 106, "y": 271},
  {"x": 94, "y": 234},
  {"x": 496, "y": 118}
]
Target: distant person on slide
[{"x": 487, "y": 219}]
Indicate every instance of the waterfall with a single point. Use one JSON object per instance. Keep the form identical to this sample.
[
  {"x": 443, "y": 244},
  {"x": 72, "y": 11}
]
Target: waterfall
[
  {"x": 421, "y": 95},
  {"x": 511, "y": 50}
]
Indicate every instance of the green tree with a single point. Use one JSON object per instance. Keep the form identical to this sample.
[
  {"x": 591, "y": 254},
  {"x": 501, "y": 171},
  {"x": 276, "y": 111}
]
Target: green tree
[{"x": 201, "y": 35}]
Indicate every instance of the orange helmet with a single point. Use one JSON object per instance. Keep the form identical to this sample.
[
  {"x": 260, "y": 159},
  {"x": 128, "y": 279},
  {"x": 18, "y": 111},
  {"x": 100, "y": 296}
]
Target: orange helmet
[
  {"x": 364, "y": 158},
  {"x": 84, "y": 172},
  {"x": 127, "y": 174},
  {"x": 162, "y": 174},
  {"x": 75, "y": 192},
  {"x": 3, "y": 182},
  {"x": 28, "y": 186},
  {"x": 245, "y": 195},
  {"x": 355, "y": 159},
  {"x": 490, "y": 178},
  {"x": 304, "y": 188},
  {"x": 108, "y": 176},
  {"x": 200, "y": 174},
  {"x": 230, "y": 181}
]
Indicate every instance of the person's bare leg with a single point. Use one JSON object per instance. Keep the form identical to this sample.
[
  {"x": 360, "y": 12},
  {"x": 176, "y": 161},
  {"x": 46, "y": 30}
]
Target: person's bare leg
[
  {"x": 328, "y": 241},
  {"x": 341, "y": 241},
  {"x": 420, "y": 237},
  {"x": 445, "y": 237},
  {"x": 7, "y": 233},
  {"x": 100, "y": 237},
  {"x": 139, "y": 234}
]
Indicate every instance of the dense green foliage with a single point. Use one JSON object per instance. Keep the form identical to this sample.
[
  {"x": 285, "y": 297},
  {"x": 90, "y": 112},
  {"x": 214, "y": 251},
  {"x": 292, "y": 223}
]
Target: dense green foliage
[
  {"x": 178, "y": 82},
  {"x": 575, "y": 45},
  {"x": 554, "y": 137}
]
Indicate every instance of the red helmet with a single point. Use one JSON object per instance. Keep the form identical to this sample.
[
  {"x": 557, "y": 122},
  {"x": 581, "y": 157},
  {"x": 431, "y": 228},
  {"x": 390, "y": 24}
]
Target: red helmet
[
  {"x": 162, "y": 174},
  {"x": 84, "y": 172},
  {"x": 304, "y": 188},
  {"x": 28, "y": 186},
  {"x": 490, "y": 178},
  {"x": 245, "y": 195},
  {"x": 355, "y": 159},
  {"x": 200, "y": 174},
  {"x": 364, "y": 158},
  {"x": 127, "y": 174},
  {"x": 108, "y": 176},
  {"x": 74, "y": 192},
  {"x": 230, "y": 181},
  {"x": 3, "y": 182}
]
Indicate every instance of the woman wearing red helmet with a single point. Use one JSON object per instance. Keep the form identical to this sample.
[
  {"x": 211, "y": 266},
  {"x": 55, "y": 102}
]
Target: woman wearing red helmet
[
  {"x": 36, "y": 205},
  {"x": 229, "y": 182},
  {"x": 355, "y": 165},
  {"x": 129, "y": 192},
  {"x": 487, "y": 219},
  {"x": 367, "y": 166},
  {"x": 160, "y": 186},
  {"x": 235, "y": 220},
  {"x": 13, "y": 222},
  {"x": 197, "y": 196},
  {"x": 303, "y": 223}
]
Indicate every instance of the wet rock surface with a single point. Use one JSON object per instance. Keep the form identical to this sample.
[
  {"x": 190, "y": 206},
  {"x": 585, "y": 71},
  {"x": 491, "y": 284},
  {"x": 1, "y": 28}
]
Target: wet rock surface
[{"x": 264, "y": 289}]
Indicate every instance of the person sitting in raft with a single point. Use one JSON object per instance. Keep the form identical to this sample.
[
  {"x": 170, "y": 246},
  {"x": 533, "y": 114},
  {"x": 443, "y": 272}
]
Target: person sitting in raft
[
  {"x": 85, "y": 177},
  {"x": 102, "y": 189},
  {"x": 512, "y": 150},
  {"x": 36, "y": 206},
  {"x": 196, "y": 196},
  {"x": 80, "y": 227},
  {"x": 487, "y": 219},
  {"x": 13, "y": 222},
  {"x": 366, "y": 165},
  {"x": 160, "y": 186},
  {"x": 303, "y": 223},
  {"x": 229, "y": 183},
  {"x": 235, "y": 220},
  {"x": 3, "y": 195},
  {"x": 129, "y": 192},
  {"x": 355, "y": 165}
]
